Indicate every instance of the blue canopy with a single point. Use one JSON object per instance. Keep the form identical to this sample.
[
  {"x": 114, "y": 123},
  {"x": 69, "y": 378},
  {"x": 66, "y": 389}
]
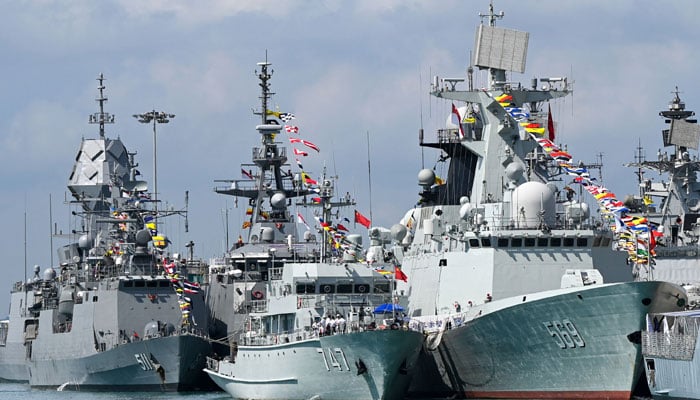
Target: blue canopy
[{"x": 388, "y": 308}]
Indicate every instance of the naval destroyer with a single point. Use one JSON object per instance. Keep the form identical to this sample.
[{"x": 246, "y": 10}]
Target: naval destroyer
[
  {"x": 500, "y": 258},
  {"x": 669, "y": 201},
  {"x": 672, "y": 207},
  {"x": 306, "y": 316},
  {"x": 115, "y": 313}
]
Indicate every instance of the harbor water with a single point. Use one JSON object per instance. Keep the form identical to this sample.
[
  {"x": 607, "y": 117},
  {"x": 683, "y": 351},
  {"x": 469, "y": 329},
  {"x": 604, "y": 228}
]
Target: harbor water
[{"x": 17, "y": 391}]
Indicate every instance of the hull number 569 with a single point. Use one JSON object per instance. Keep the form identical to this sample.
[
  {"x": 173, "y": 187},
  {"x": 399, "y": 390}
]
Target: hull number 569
[{"x": 564, "y": 333}]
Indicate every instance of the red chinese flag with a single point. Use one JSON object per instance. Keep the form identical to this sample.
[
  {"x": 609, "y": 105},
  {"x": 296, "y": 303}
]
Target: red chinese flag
[
  {"x": 362, "y": 220},
  {"x": 399, "y": 274}
]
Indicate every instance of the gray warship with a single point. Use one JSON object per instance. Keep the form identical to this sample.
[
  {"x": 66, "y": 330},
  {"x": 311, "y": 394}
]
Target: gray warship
[
  {"x": 306, "y": 316},
  {"x": 508, "y": 272},
  {"x": 669, "y": 200},
  {"x": 115, "y": 314},
  {"x": 672, "y": 206}
]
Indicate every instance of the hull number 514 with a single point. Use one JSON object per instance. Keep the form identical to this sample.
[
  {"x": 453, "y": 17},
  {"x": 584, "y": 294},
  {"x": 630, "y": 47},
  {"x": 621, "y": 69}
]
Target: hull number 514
[{"x": 564, "y": 333}]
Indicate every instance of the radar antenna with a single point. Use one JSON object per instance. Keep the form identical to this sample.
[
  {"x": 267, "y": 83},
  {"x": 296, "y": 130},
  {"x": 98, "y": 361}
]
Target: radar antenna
[{"x": 101, "y": 117}]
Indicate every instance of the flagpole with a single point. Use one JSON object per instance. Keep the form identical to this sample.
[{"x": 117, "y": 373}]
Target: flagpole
[{"x": 369, "y": 178}]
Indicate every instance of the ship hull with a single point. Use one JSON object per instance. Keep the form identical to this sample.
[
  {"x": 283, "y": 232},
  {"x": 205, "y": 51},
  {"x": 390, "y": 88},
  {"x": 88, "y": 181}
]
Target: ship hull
[
  {"x": 330, "y": 367},
  {"x": 670, "y": 348},
  {"x": 129, "y": 367},
  {"x": 13, "y": 365},
  {"x": 674, "y": 379},
  {"x": 572, "y": 344}
]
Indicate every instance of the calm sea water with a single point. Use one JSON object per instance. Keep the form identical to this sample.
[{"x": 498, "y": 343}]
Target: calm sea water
[{"x": 14, "y": 391}]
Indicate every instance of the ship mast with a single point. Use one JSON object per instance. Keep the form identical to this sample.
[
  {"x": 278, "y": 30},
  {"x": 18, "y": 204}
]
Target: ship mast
[
  {"x": 264, "y": 77},
  {"x": 491, "y": 16},
  {"x": 268, "y": 188},
  {"x": 101, "y": 117}
]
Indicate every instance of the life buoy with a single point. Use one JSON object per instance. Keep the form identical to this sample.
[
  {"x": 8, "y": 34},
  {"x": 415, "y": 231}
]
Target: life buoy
[{"x": 258, "y": 295}]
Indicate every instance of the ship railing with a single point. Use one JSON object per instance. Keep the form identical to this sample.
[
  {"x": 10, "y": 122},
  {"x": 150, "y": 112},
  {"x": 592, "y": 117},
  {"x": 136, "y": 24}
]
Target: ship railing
[
  {"x": 275, "y": 273},
  {"x": 212, "y": 364},
  {"x": 270, "y": 339},
  {"x": 670, "y": 345},
  {"x": 258, "y": 306},
  {"x": 259, "y": 153},
  {"x": 316, "y": 331},
  {"x": 329, "y": 301},
  {"x": 471, "y": 133},
  {"x": 674, "y": 251},
  {"x": 252, "y": 186}
]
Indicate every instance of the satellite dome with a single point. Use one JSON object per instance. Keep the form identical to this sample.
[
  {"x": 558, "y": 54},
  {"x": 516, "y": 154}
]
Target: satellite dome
[
  {"x": 85, "y": 242},
  {"x": 278, "y": 201},
  {"x": 515, "y": 171},
  {"x": 426, "y": 177},
  {"x": 268, "y": 235},
  {"x": 49, "y": 274},
  {"x": 308, "y": 236},
  {"x": 151, "y": 329},
  {"x": 466, "y": 211},
  {"x": 577, "y": 212},
  {"x": 463, "y": 200},
  {"x": 529, "y": 199},
  {"x": 398, "y": 232},
  {"x": 143, "y": 237}
]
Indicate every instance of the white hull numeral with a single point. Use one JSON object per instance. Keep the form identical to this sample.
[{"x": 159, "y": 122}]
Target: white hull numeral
[
  {"x": 144, "y": 361},
  {"x": 564, "y": 333},
  {"x": 334, "y": 358}
]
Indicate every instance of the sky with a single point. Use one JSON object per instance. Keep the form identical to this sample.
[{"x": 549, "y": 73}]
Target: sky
[{"x": 355, "y": 73}]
